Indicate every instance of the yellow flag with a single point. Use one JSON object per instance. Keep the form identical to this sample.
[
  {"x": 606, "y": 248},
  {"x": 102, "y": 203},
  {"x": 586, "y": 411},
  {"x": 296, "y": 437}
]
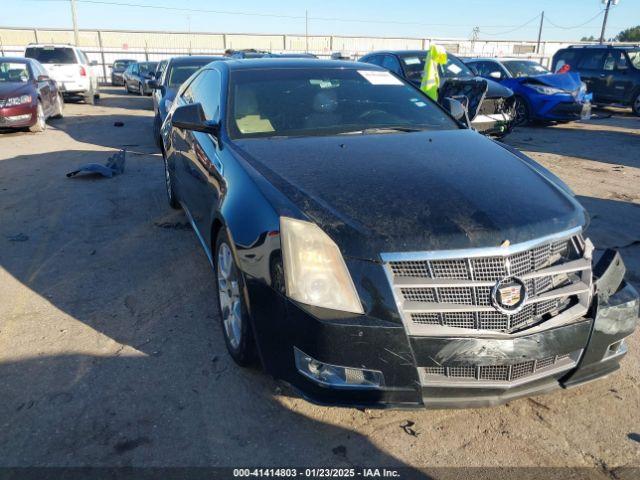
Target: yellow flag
[{"x": 431, "y": 79}]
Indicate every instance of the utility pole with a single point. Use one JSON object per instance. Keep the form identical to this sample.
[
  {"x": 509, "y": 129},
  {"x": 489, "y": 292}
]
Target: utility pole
[
  {"x": 306, "y": 31},
  {"x": 74, "y": 19},
  {"x": 606, "y": 16},
  {"x": 540, "y": 32}
]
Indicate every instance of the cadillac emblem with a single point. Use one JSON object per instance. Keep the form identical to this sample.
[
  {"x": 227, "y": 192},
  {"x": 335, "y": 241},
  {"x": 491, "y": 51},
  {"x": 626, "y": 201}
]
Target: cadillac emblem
[{"x": 508, "y": 295}]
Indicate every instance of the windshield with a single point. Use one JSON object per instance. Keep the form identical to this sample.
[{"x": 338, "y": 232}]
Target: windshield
[
  {"x": 454, "y": 68},
  {"x": 59, "y": 55},
  {"x": 14, "y": 72},
  {"x": 122, "y": 64},
  {"x": 524, "y": 68},
  {"x": 634, "y": 56},
  {"x": 179, "y": 73},
  {"x": 148, "y": 67},
  {"x": 327, "y": 101}
]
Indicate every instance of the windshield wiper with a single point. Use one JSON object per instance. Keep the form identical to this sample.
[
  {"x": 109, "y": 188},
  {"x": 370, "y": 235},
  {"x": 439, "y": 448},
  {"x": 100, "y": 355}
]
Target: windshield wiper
[{"x": 373, "y": 130}]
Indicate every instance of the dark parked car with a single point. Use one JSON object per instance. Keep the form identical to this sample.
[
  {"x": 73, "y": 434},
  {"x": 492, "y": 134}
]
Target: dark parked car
[
  {"x": 372, "y": 251},
  {"x": 246, "y": 53},
  {"x": 27, "y": 95},
  {"x": 177, "y": 70},
  {"x": 496, "y": 112},
  {"x": 612, "y": 73},
  {"x": 117, "y": 70},
  {"x": 540, "y": 94},
  {"x": 137, "y": 76}
]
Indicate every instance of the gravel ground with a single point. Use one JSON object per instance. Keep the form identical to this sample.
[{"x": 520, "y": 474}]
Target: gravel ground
[{"x": 111, "y": 353}]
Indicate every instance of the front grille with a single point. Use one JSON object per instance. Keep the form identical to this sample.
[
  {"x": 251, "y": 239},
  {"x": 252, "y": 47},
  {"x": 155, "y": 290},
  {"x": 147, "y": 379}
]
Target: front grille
[
  {"x": 501, "y": 373},
  {"x": 455, "y": 290},
  {"x": 491, "y": 106}
]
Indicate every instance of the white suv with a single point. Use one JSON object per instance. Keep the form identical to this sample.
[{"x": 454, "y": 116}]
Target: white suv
[{"x": 69, "y": 67}]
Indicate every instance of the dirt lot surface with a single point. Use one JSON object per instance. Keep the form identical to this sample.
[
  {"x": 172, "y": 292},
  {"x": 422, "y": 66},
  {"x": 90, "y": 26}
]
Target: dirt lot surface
[{"x": 111, "y": 353}]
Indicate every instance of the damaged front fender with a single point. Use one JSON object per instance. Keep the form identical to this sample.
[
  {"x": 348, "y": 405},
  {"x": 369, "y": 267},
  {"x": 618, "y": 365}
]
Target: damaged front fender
[{"x": 615, "y": 314}]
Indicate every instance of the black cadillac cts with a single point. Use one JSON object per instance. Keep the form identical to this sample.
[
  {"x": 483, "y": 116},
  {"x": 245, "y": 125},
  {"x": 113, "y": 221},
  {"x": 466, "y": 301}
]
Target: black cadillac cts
[{"x": 370, "y": 250}]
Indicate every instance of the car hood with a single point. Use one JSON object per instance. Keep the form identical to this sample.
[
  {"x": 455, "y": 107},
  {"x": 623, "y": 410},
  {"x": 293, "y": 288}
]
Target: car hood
[
  {"x": 569, "y": 81},
  {"x": 497, "y": 90},
  {"x": 13, "y": 89},
  {"x": 414, "y": 191}
]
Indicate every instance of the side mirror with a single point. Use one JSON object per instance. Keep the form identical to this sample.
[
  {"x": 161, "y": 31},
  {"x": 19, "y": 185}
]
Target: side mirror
[
  {"x": 496, "y": 75},
  {"x": 43, "y": 78},
  {"x": 191, "y": 117},
  {"x": 455, "y": 108}
]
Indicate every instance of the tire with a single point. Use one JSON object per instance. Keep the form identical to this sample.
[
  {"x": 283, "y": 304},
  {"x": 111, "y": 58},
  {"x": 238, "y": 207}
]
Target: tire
[
  {"x": 635, "y": 105},
  {"x": 172, "y": 198},
  {"x": 522, "y": 112},
  {"x": 140, "y": 90},
  {"x": 41, "y": 121},
  {"x": 156, "y": 132},
  {"x": 59, "y": 107},
  {"x": 234, "y": 317},
  {"x": 126, "y": 87}
]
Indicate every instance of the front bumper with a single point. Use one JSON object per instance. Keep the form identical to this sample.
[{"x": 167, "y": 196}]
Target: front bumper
[
  {"x": 20, "y": 116},
  {"x": 582, "y": 350},
  {"x": 116, "y": 79},
  {"x": 557, "y": 107}
]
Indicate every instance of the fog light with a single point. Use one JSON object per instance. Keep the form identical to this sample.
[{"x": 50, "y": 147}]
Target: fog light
[
  {"x": 615, "y": 349},
  {"x": 18, "y": 118},
  {"x": 334, "y": 375}
]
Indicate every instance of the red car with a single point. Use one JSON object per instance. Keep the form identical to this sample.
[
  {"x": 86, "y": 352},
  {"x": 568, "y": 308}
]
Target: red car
[{"x": 28, "y": 97}]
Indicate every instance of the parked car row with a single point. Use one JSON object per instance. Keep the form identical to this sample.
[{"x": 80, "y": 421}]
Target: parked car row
[{"x": 371, "y": 250}]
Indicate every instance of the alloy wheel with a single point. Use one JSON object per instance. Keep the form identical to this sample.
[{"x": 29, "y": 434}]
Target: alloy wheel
[
  {"x": 141, "y": 90},
  {"x": 636, "y": 105},
  {"x": 41, "y": 119},
  {"x": 521, "y": 111},
  {"x": 229, "y": 295}
]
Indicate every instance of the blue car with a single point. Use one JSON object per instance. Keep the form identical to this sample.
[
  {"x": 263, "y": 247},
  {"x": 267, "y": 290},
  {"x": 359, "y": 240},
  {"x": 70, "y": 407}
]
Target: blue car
[{"x": 540, "y": 94}]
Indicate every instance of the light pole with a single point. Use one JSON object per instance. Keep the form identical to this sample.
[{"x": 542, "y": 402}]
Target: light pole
[
  {"x": 74, "y": 19},
  {"x": 606, "y": 16}
]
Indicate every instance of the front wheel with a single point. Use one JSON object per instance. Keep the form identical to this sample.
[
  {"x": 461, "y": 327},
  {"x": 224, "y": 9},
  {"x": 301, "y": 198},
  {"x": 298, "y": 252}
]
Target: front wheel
[
  {"x": 168, "y": 181},
  {"x": 522, "y": 113},
  {"x": 238, "y": 335},
  {"x": 59, "y": 107},
  {"x": 635, "y": 106},
  {"x": 41, "y": 121},
  {"x": 140, "y": 90}
]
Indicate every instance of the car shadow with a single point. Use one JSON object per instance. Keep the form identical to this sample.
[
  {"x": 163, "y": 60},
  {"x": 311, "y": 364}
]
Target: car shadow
[
  {"x": 112, "y": 349},
  {"x": 608, "y": 141}
]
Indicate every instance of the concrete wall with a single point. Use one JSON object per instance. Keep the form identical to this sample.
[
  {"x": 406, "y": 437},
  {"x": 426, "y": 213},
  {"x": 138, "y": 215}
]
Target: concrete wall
[{"x": 107, "y": 45}]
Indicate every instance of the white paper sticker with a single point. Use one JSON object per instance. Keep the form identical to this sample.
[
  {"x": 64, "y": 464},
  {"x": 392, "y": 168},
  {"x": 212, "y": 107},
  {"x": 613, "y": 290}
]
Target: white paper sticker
[
  {"x": 420, "y": 104},
  {"x": 411, "y": 61},
  {"x": 379, "y": 78},
  {"x": 453, "y": 68}
]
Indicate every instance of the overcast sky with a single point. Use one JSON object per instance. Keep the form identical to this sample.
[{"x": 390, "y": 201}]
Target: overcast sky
[{"x": 497, "y": 19}]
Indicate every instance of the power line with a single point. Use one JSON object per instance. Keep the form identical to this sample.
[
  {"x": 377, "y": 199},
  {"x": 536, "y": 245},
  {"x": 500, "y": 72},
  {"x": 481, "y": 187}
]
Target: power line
[
  {"x": 293, "y": 17},
  {"x": 519, "y": 27},
  {"x": 575, "y": 26}
]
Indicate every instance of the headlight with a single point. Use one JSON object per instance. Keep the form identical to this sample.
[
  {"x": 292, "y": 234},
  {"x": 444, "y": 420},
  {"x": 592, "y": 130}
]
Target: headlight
[
  {"x": 315, "y": 272},
  {"x": 21, "y": 100},
  {"x": 167, "y": 104},
  {"x": 544, "y": 90}
]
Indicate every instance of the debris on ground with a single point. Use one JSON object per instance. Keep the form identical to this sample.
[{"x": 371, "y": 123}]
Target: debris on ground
[
  {"x": 173, "y": 225},
  {"x": 114, "y": 166},
  {"x": 20, "y": 237},
  {"x": 407, "y": 426}
]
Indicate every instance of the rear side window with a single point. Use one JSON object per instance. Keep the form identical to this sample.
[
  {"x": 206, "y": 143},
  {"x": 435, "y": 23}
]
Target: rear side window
[
  {"x": 591, "y": 60},
  {"x": 564, "y": 57},
  {"x": 391, "y": 63},
  {"x": 57, "y": 55}
]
